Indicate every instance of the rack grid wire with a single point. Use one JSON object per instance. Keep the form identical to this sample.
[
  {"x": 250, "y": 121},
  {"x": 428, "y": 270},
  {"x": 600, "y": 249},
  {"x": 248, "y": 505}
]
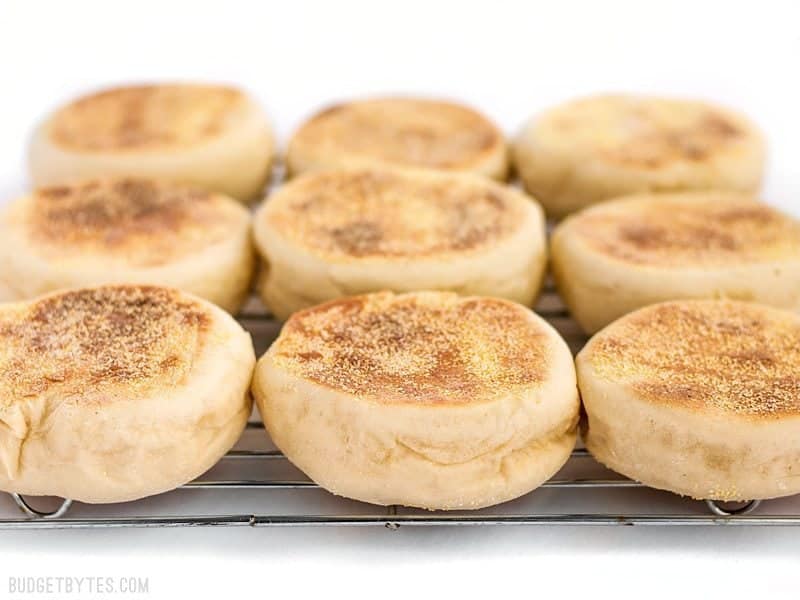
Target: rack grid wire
[{"x": 255, "y": 473}]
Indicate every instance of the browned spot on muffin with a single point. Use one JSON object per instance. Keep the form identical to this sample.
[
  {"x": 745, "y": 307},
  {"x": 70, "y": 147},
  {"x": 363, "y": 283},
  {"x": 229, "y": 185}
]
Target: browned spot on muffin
[
  {"x": 648, "y": 133},
  {"x": 421, "y": 133},
  {"x": 89, "y": 343},
  {"x": 416, "y": 348},
  {"x": 145, "y": 222},
  {"x": 689, "y": 229},
  {"x": 719, "y": 356},
  {"x": 717, "y": 126},
  {"x": 717, "y": 458},
  {"x": 656, "y": 144},
  {"x": 145, "y": 118},
  {"x": 358, "y": 238},
  {"x": 387, "y": 213}
]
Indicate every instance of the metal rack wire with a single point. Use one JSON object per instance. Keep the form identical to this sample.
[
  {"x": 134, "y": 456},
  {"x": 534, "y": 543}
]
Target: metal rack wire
[{"x": 581, "y": 479}]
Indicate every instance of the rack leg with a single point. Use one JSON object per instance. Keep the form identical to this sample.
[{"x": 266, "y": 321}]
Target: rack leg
[
  {"x": 37, "y": 514},
  {"x": 392, "y": 511},
  {"x": 715, "y": 508}
]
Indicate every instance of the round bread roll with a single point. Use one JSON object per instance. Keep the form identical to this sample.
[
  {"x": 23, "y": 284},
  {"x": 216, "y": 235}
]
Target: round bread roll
[
  {"x": 402, "y": 132},
  {"x": 115, "y": 393},
  {"x": 427, "y": 399},
  {"x": 699, "y": 397},
  {"x": 343, "y": 232},
  {"x": 212, "y": 137},
  {"x": 126, "y": 231},
  {"x": 593, "y": 149},
  {"x": 613, "y": 258}
]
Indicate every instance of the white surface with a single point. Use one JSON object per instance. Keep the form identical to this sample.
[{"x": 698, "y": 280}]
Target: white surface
[{"x": 508, "y": 59}]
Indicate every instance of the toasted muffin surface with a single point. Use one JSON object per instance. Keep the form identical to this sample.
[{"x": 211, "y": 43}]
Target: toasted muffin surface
[
  {"x": 411, "y": 132},
  {"x": 145, "y": 222},
  {"x": 717, "y": 357},
  {"x": 144, "y": 118},
  {"x": 421, "y": 348},
  {"x": 356, "y": 214},
  {"x": 645, "y": 133},
  {"x": 702, "y": 229},
  {"x": 93, "y": 343}
]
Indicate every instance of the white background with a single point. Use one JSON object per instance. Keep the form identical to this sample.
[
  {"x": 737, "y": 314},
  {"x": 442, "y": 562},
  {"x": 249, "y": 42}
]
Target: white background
[{"x": 508, "y": 59}]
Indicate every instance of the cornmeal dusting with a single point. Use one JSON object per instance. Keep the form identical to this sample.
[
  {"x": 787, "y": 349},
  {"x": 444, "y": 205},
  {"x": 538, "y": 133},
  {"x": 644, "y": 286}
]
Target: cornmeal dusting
[
  {"x": 721, "y": 356},
  {"x": 646, "y": 133},
  {"x": 88, "y": 343},
  {"x": 702, "y": 229},
  {"x": 145, "y": 117},
  {"x": 144, "y": 222},
  {"x": 416, "y": 348},
  {"x": 367, "y": 213},
  {"x": 419, "y": 133}
]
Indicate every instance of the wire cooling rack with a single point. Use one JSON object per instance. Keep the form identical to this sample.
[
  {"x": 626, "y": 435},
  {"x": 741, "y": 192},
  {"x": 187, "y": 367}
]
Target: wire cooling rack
[{"x": 255, "y": 485}]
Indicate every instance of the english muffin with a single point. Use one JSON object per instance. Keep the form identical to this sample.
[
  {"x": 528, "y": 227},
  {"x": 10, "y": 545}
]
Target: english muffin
[
  {"x": 613, "y": 258},
  {"x": 350, "y": 231},
  {"x": 406, "y": 132},
  {"x": 210, "y": 136},
  {"x": 699, "y": 397},
  {"x": 427, "y": 399},
  {"x": 126, "y": 231},
  {"x": 118, "y": 392},
  {"x": 596, "y": 148}
]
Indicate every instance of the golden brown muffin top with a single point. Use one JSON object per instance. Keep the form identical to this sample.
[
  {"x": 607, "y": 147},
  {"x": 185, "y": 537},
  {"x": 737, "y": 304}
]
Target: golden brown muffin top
[
  {"x": 143, "y": 222},
  {"x": 646, "y": 133},
  {"x": 145, "y": 118},
  {"x": 722, "y": 357},
  {"x": 99, "y": 344},
  {"x": 693, "y": 229},
  {"x": 421, "y": 348},
  {"x": 400, "y": 131},
  {"x": 357, "y": 214}
]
